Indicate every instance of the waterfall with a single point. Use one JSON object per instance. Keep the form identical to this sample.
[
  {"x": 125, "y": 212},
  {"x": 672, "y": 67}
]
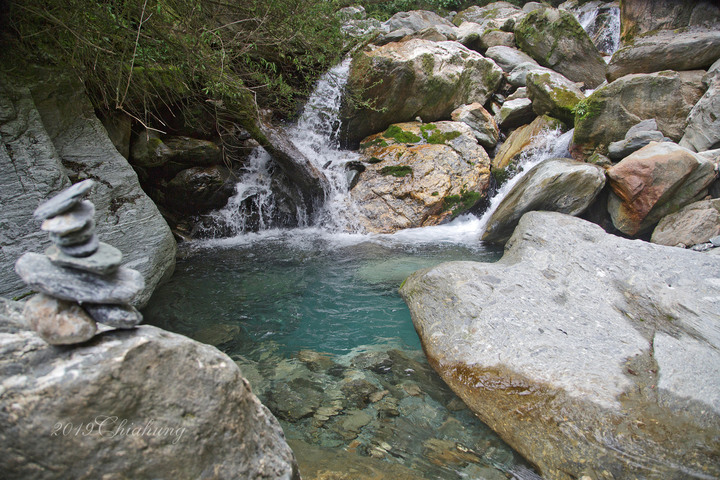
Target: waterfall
[
  {"x": 255, "y": 206},
  {"x": 316, "y": 135},
  {"x": 602, "y": 23},
  {"x": 548, "y": 144}
]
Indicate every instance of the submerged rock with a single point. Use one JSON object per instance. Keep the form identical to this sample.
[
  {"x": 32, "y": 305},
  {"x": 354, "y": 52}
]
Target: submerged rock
[
  {"x": 93, "y": 410},
  {"x": 419, "y": 175},
  {"x": 401, "y": 81},
  {"x": 588, "y": 353},
  {"x": 654, "y": 181},
  {"x": 556, "y": 185}
]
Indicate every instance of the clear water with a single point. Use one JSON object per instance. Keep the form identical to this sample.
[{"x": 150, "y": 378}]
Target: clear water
[{"x": 315, "y": 323}]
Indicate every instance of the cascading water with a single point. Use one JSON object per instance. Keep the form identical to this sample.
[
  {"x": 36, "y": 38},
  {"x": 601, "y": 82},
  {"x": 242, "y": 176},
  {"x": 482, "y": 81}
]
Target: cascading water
[
  {"x": 549, "y": 144},
  {"x": 602, "y": 23}
]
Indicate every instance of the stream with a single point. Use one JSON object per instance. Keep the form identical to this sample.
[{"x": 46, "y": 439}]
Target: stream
[{"x": 313, "y": 318}]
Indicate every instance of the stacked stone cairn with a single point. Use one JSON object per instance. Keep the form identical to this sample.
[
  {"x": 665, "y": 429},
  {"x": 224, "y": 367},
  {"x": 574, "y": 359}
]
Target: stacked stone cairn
[{"x": 79, "y": 278}]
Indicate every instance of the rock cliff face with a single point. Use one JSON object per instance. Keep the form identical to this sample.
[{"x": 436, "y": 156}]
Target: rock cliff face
[
  {"x": 588, "y": 353},
  {"x": 52, "y": 138},
  {"x": 140, "y": 403}
]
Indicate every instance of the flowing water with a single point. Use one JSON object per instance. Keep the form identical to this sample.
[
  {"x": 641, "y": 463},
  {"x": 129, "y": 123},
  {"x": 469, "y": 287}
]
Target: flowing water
[{"x": 313, "y": 318}]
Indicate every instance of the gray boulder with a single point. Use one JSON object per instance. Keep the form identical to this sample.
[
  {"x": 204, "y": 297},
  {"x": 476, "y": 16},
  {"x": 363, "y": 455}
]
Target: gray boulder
[
  {"x": 496, "y": 15},
  {"x": 401, "y": 81},
  {"x": 557, "y": 184},
  {"x": 518, "y": 75},
  {"x": 515, "y": 113},
  {"x": 609, "y": 112},
  {"x": 553, "y": 94},
  {"x": 703, "y": 128},
  {"x": 639, "y": 17},
  {"x": 588, "y": 353},
  {"x": 480, "y": 121},
  {"x": 508, "y": 58},
  {"x": 126, "y": 218},
  {"x": 666, "y": 50},
  {"x": 637, "y": 137},
  {"x": 693, "y": 224},
  {"x": 98, "y": 409},
  {"x": 556, "y": 40},
  {"x": 404, "y": 24}
]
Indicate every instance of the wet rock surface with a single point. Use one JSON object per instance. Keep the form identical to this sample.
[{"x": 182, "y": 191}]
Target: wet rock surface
[{"x": 590, "y": 354}]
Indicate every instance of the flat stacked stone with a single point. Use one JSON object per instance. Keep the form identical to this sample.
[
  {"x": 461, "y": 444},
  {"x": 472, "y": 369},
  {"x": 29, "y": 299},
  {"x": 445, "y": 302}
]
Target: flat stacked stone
[{"x": 81, "y": 279}]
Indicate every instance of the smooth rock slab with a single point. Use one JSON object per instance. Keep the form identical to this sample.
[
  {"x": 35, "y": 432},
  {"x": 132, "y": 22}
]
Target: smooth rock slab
[
  {"x": 70, "y": 221},
  {"x": 58, "y": 322},
  {"x": 118, "y": 316},
  {"x": 104, "y": 261},
  {"x": 38, "y": 272},
  {"x": 588, "y": 353},
  {"x": 64, "y": 200}
]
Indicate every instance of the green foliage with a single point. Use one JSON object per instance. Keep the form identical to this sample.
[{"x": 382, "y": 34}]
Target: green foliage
[
  {"x": 146, "y": 57},
  {"x": 386, "y": 9},
  {"x": 396, "y": 170}
]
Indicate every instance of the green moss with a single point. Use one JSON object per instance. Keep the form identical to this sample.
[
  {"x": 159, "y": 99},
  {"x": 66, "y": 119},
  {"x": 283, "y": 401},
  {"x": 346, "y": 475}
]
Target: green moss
[
  {"x": 586, "y": 109},
  {"x": 458, "y": 204},
  {"x": 434, "y": 194},
  {"x": 439, "y": 138},
  {"x": 374, "y": 160},
  {"x": 378, "y": 142},
  {"x": 428, "y": 64},
  {"x": 396, "y": 170},
  {"x": 400, "y": 135}
]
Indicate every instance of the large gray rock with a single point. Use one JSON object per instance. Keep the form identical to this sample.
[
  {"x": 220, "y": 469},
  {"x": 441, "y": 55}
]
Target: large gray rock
[
  {"x": 508, "y": 58},
  {"x": 692, "y": 224},
  {"x": 556, "y": 40},
  {"x": 126, "y": 218},
  {"x": 666, "y": 50},
  {"x": 401, "y": 81},
  {"x": 98, "y": 409},
  {"x": 518, "y": 75},
  {"x": 609, "y": 112},
  {"x": 557, "y": 184},
  {"x": 404, "y": 24},
  {"x": 639, "y": 17},
  {"x": 32, "y": 173},
  {"x": 480, "y": 121},
  {"x": 588, "y": 353},
  {"x": 703, "y": 128},
  {"x": 495, "y": 15}
]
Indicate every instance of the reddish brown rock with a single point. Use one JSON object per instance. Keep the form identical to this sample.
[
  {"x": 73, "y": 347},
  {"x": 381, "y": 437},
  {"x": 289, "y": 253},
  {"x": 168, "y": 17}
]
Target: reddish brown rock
[{"x": 655, "y": 181}]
